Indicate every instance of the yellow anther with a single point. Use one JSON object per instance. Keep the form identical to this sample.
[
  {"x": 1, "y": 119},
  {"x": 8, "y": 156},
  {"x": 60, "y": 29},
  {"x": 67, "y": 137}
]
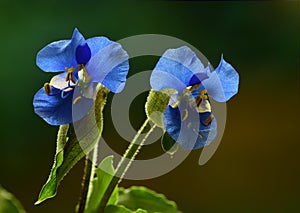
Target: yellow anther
[
  {"x": 189, "y": 125},
  {"x": 185, "y": 115},
  {"x": 76, "y": 100},
  {"x": 203, "y": 94},
  {"x": 70, "y": 70},
  {"x": 47, "y": 88},
  {"x": 199, "y": 135},
  {"x": 196, "y": 101},
  {"x": 194, "y": 87}
]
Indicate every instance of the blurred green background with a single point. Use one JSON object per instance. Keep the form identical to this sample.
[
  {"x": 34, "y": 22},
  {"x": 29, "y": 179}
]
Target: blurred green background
[{"x": 256, "y": 167}]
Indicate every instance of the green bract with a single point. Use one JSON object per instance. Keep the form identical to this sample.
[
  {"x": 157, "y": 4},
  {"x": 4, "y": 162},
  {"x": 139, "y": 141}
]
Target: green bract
[{"x": 157, "y": 102}]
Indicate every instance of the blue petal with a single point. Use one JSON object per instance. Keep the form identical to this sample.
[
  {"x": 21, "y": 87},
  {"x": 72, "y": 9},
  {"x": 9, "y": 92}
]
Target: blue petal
[
  {"x": 160, "y": 80},
  {"x": 53, "y": 108},
  {"x": 83, "y": 54},
  {"x": 198, "y": 78},
  {"x": 109, "y": 66},
  {"x": 182, "y": 64},
  {"x": 98, "y": 43},
  {"x": 208, "y": 133},
  {"x": 60, "y": 54},
  {"x": 222, "y": 83},
  {"x": 185, "y": 132},
  {"x": 115, "y": 80},
  {"x": 56, "y": 110}
]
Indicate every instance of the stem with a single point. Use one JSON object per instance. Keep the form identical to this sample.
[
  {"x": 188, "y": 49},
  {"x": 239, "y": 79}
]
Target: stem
[
  {"x": 85, "y": 184},
  {"x": 89, "y": 169},
  {"x": 89, "y": 173},
  {"x": 92, "y": 175},
  {"x": 130, "y": 154}
]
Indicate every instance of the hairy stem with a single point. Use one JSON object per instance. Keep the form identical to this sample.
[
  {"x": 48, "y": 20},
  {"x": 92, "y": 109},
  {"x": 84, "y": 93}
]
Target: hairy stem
[
  {"x": 85, "y": 184},
  {"x": 130, "y": 154},
  {"x": 88, "y": 176}
]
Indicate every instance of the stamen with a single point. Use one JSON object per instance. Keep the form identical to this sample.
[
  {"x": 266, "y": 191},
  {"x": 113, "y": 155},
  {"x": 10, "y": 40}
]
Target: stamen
[
  {"x": 70, "y": 70},
  {"x": 80, "y": 66},
  {"x": 70, "y": 74},
  {"x": 199, "y": 135},
  {"x": 47, "y": 88},
  {"x": 85, "y": 78},
  {"x": 198, "y": 101},
  {"x": 209, "y": 120},
  {"x": 189, "y": 125},
  {"x": 185, "y": 115},
  {"x": 203, "y": 94},
  {"x": 194, "y": 87},
  {"x": 76, "y": 100},
  {"x": 67, "y": 76},
  {"x": 72, "y": 78},
  {"x": 192, "y": 102}
]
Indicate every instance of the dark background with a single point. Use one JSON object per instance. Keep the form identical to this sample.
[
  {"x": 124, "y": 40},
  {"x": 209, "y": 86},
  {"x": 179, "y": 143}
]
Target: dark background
[{"x": 255, "y": 169}]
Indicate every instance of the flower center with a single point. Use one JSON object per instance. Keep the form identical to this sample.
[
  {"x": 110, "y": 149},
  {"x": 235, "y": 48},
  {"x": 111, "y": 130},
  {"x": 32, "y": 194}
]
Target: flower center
[
  {"x": 199, "y": 98},
  {"x": 83, "y": 81},
  {"x": 70, "y": 74}
]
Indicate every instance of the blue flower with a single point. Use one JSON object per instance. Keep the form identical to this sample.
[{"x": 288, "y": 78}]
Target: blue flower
[
  {"x": 82, "y": 64},
  {"x": 188, "y": 118}
]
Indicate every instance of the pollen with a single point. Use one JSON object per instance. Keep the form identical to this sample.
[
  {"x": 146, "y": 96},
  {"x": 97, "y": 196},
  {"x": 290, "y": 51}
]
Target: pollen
[{"x": 47, "y": 88}]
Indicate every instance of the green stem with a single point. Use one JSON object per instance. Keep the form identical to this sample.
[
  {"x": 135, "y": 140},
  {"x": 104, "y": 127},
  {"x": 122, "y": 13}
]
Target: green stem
[
  {"x": 88, "y": 176},
  {"x": 130, "y": 154},
  {"x": 85, "y": 184},
  {"x": 89, "y": 169}
]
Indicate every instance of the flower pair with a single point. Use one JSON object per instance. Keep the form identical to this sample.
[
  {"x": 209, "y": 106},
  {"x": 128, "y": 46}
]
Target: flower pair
[{"x": 83, "y": 64}]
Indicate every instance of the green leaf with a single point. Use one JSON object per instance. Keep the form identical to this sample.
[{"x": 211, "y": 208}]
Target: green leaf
[
  {"x": 157, "y": 101},
  {"x": 69, "y": 151},
  {"x": 121, "y": 209},
  {"x": 143, "y": 198},
  {"x": 168, "y": 144},
  {"x": 8, "y": 203},
  {"x": 104, "y": 173}
]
